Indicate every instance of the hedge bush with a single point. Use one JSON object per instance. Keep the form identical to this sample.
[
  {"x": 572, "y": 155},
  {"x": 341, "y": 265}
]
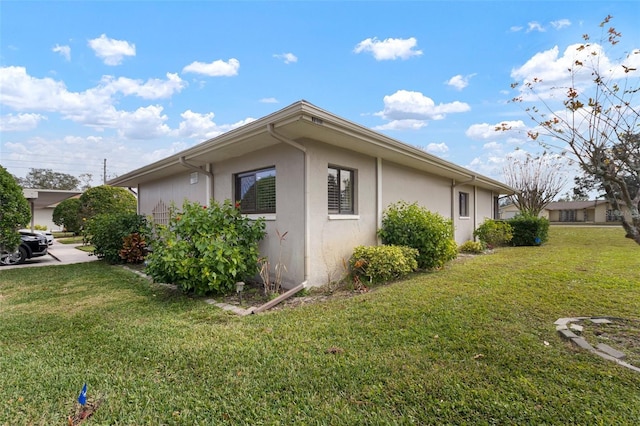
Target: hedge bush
[
  {"x": 107, "y": 233},
  {"x": 205, "y": 249},
  {"x": 494, "y": 233},
  {"x": 378, "y": 264},
  {"x": 431, "y": 234},
  {"x": 529, "y": 230},
  {"x": 471, "y": 247}
]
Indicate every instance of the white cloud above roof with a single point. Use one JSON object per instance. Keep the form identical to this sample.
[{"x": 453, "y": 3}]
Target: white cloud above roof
[
  {"x": 20, "y": 122},
  {"x": 217, "y": 68},
  {"x": 437, "y": 148},
  {"x": 486, "y": 131},
  {"x": 459, "y": 81},
  {"x": 535, "y": 26},
  {"x": 389, "y": 49},
  {"x": 409, "y": 105},
  {"x": 154, "y": 88},
  {"x": 64, "y": 51},
  {"x": 288, "y": 58},
  {"x": 202, "y": 127},
  {"x": 560, "y": 23},
  {"x": 112, "y": 51},
  {"x": 269, "y": 101}
]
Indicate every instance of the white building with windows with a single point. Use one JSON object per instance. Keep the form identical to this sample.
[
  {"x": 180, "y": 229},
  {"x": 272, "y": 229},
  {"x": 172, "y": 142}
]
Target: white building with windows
[{"x": 323, "y": 179}]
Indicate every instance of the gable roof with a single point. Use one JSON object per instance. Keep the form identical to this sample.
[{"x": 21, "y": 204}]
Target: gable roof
[
  {"x": 303, "y": 120},
  {"x": 574, "y": 205}
]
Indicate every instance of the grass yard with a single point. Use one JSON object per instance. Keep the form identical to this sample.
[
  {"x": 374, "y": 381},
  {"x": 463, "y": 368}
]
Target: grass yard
[{"x": 463, "y": 345}]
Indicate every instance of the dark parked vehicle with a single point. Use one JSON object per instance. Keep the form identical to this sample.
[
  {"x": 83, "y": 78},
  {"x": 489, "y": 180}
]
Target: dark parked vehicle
[{"x": 31, "y": 245}]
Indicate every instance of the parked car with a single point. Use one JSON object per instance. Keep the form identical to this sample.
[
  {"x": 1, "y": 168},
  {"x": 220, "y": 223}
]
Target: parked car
[
  {"x": 47, "y": 234},
  {"x": 31, "y": 245}
]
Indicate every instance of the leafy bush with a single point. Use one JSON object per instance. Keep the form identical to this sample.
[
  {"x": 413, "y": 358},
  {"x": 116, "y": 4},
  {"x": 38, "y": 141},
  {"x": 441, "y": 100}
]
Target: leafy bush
[
  {"x": 529, "y": 230},
  {"x": 14, "y": 211},
  {"x": 382, "y": 263},
  {"x": 410, "y": 225},
  {"x": 67, "y": 214},
  {"x": 494, "y": 233},
  {"x": 40, "y": 227},
  {"x": 471, "y": 247},
  {"x": 204, "y": 250},
  {"x": 106, "y": 233},
  {"x": 106, "y": 199}
]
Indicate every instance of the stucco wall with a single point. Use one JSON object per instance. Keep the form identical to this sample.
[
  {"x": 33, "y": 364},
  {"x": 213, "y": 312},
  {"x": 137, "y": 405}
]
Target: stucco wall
[
  {"x": 333, "y": 238},
  {"x": 289, "y": 217},
  {"x": 402, "y": 184},
  {"x": 175, "y": 189}
]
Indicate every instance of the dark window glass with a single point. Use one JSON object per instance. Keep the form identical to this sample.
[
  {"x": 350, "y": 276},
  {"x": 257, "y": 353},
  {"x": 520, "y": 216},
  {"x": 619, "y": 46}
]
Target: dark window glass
[
  {"x": 464, "y": 204},
  {"x": 256, "y": 191},
  {"x": 340, "y": 188}
]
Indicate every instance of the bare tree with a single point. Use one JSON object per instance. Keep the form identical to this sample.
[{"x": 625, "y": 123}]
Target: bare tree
[
  {"x": 537, "y": 181},
  {"x": 592, "y": 115}
]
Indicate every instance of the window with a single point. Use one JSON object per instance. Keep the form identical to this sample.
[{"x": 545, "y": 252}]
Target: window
[
  {"x": 340, "y": 183},
  {"x": 463, "y": 201},
  {"x": 256, "y": 191}
]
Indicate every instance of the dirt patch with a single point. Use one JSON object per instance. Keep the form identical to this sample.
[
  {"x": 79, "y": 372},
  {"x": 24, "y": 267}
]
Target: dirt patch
[{"x": 621, "y": 334}]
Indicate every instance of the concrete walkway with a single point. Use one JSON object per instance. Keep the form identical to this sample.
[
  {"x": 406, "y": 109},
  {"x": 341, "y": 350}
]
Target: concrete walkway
[{"x": 59, "y": 254}]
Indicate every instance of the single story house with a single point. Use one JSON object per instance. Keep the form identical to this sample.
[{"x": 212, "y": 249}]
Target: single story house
[
  {"x": 593, "y": 211},
  {"x": 323, "y": 179},
  {"x": 43, "y": 202}
]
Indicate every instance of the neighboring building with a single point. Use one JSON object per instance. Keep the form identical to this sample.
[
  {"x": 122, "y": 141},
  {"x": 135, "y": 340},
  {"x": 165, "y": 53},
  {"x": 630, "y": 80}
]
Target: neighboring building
[
  {"x": 43, "y": 202},
  {"x": 319, "y": 177},
  {"x": 595, "y": 211}
]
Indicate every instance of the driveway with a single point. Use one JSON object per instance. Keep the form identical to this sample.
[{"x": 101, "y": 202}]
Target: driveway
[{"x": 59, "y": 254}]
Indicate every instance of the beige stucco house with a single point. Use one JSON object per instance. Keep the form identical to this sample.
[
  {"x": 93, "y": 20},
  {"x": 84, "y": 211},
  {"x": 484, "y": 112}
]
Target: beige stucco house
[
  {"x": 43, "y": 202},
  {"x": 323, "y": 179},
  {"x": 593, "y": 211}
]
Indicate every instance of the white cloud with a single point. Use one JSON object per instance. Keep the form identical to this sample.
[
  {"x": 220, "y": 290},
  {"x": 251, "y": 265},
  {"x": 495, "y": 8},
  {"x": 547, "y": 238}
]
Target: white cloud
[
  {"x": 217, "y": 68},
  {"x": 515, "y": 29},
  {"x": 201, "y": 126},
  {"x": 407, "y": 105},
  {"x": 437, "y": 148},
  {"x": 20, "y": 122},
  {"x": 492, "y": 146},
  {"x": 551, "y": 70},
  {"x": 153, "y": 88},
  {"x": 402, "y": 125},
  {"x": 269, "y": 101},
  {"x": 560, "y": 24},
  {"x": 389, "y": 49},
  {"x": 535, "y": 26},
  {"x": 93, "y": 107},
  {"x": 459, "y": 81},
  {"x": 485, "y": 131},
  {"x": 64, "y": 51},
  {"x": 288, "y": 58},
  {"x": 143, "y": 123},
  {"x": 110, "y": 50}
]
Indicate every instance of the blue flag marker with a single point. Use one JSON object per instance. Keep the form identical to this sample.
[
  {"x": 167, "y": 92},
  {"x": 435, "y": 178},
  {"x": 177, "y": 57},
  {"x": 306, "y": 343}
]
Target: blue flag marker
[{"x": 82, "y": 398}]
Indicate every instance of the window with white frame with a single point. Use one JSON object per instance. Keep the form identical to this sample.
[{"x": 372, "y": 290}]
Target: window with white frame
[
  {"x": 255, "y": 191},
  {"x": 463, "y": 204},
  {"x": 340, "y": 190}
]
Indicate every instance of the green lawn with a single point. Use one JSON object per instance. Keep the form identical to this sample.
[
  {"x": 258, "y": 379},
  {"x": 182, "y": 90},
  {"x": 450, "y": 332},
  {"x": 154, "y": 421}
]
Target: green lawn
[{"x": 463, "y": 345}]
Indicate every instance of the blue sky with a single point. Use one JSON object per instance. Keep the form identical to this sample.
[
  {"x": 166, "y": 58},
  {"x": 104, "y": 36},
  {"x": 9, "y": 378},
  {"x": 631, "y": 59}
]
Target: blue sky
[{"x": 133, "y": 82}]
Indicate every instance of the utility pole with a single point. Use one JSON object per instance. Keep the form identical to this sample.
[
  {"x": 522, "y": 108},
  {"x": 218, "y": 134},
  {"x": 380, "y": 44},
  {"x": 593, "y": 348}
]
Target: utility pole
[{"x": 104, "y": 172}]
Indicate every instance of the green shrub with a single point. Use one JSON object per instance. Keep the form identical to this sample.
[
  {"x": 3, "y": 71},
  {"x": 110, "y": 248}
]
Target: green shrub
[
  {"x": 471, "y": 247},
  {"x": 40, "y": 227},
  {"x": 529, "y": 230},
  {"x": 410, "y": 225},
  {"x": 206, "y": 250},
  {"x": 67, "y": 214},
  {"x": 379, "y": 264},
  {"x": 494, "y": 233},
  {"x": 106, "y": 233}
]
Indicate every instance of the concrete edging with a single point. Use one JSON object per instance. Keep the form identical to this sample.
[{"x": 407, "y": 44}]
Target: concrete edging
[{"x": 567, "y": 328}]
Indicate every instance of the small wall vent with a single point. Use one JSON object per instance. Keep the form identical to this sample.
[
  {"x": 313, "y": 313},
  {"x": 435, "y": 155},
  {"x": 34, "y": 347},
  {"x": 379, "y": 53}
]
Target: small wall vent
[{"x": 317, "y": 120}]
